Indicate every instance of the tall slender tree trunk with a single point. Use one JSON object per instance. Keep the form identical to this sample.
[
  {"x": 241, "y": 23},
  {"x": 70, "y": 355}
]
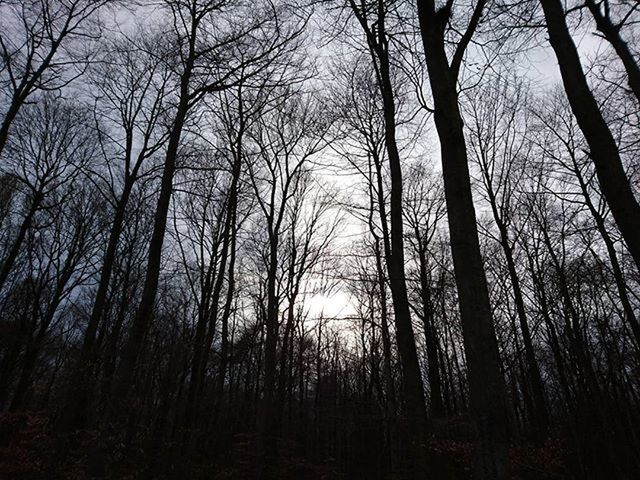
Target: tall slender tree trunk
[
  {"x": 486, "y": 383},
  {"x": 206, "y": 331},
  {"x": 539, "y": 414},
  {"x": 75, "y": 415},
  {"x": 384, "y": 333},
  {"x": 433, "y": 363},
  {"x": 12, "y": 256},
  {"x": 267, "y": 421},
  {"x": 616, "y": 269},
  {"x": 34, "y": 344},
  {"x": 140, "y": 324},
  {"x": 226, "y": 314},
  {"x": 413, "y": 388},
  {"x": 380, "y": 253}
]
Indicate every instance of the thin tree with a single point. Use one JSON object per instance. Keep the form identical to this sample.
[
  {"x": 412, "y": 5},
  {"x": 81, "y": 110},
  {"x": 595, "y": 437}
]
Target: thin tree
[{"x": 372, "y": 19}]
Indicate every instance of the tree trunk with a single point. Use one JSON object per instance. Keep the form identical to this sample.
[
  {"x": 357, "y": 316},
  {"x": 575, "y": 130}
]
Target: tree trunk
[
  {"x": 486, "y": 383},
  {"x": 9, "y": 261},
  {"x": 603, "y": 149},
  {"x": 267, "y": 424},
  {"x": 413, "y": 389},
  {"x": 140, "y": 324},
  {"x": 612, "y": 33},
  {"x": 540, "y": 414},
  {"x": 616, "y": 269},
  {"x": 435, "y": 382},
  {"x": 75, "y": 415}
]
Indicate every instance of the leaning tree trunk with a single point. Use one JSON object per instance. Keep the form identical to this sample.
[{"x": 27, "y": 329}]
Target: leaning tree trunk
[
  {"x": 616, "y": 268},
  {"x": 603, "y": 148},
  {"x": 538, "y": 405},
  {"x": 75, "y": 415},
  {"x": 612, "y": 33},
  {"x": 140, "y": 324},
  {"x": 12, "y": 256}
]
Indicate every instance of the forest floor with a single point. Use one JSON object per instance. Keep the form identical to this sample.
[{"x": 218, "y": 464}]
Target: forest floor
[{"x": 31, "y": 450}]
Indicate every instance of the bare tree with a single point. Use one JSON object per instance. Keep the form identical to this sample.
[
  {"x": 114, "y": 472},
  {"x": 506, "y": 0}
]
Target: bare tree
[
  {"x": 286, "y": 139},
  {"x": 498, "y": 121},
  {"x": 35, "y": 45},
  {"x": 372, "y": 19},
  {"x": 486, "y": 384},
  {"x": 423, "y": 212},
  {"x": 206, "y": 60},
  {"x": 54, "y": 141},
  {"x": 130, "y": 109},
  {"x": 602, "y": 146}
]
